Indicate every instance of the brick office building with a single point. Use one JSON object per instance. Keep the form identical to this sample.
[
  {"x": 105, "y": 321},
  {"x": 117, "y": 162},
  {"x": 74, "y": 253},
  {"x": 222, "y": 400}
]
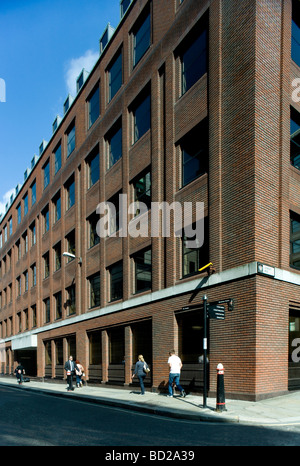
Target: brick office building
[{"x": 189, "y": 101}]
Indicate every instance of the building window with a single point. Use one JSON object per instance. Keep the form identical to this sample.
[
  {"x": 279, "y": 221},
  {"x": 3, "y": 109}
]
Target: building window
[
  {"x": 124, "y": 4},
  {"x": 45, "y": 216},
  {"x": 70, "y": 188},
  {"x": 57, "y": 207},
  {"x": 296, "y": 32},
  {"x": 295, "y": 138},
  {"x": 115, "y": 76},
  {"x": 47, "y": 310},
  {"x": 114, "y": 214},
  {"x": 33, "y": 275},
  {"x": 10, "y": 223},
  {"x": 95, "y": 348},
  {"x": 46, "y": 265},
  {"x": 295, "y": 241},
  {"x": 19, "y": 217},
  {"x": 4, "y": 297},
  {"x": 19, "y": 320},
  {"x": 142, "y": 191},
  {"x": 57, "y": 256},
  {"x": 57, "y": 159},
  {"x": 58, "y": 305},
  {"x": 9, "y": 261},
  {"x": 25, "y": 242},
  {"x": 116, "y": 345},
  {"x": 19, "y": 251},
  {"x": 19, "y": 286},
  {"x": 71, "y": 300},
  {"x": 194, "y": 149},
  {"x": 9, "y": 291},
  {"x": 33, "y": 234},
  {"x": 71, "y": 139},
  {"x": 71, "y": 244},
  {"x": 48, "y": 355},
  {"x": 116, "y": 281},
  {"x": 193, "y": 60},
  {"x": 114, "y": 144},
  {"x": 93, "y": 106},
  {"x": 59, "y": 344},
  {"x": 25, "y": 201},
  {"x": 141, "y": 112},
  {"x": 33, "y": 315},
  {"x": 143, "y": 270},
  {"x": 94, "y": 285},
  {"x": 26, "y": 281},
  {"x": 195, "y": 258},
  {"x": 46, "y": 170},
  {"x": 33, "y": 193},
  {"x": 94, "y": 238},
  {"x": 141, "y": 36},
  {"x": 26, "y": 323},
  {"x": 93, "y": 168}
]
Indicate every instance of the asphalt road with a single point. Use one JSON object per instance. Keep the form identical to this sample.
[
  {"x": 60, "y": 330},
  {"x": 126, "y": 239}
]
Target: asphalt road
[{"x": 29, "y": 419}]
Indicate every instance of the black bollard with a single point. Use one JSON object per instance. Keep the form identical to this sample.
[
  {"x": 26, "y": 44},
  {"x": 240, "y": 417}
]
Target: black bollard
[{"x": 220, "y": 389}]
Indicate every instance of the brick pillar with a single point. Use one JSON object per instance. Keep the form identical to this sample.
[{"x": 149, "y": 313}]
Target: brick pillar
[
  {"x": 163, "y": 340},
  {"x": 82, "y": 348},
  {"x": 65, "y": 353},
  {"x": 128, "y": 354},
  {"x": 40, "y": 357},
  {"x": 105, "y": 356},
  {"x": 53, "y": 357}
]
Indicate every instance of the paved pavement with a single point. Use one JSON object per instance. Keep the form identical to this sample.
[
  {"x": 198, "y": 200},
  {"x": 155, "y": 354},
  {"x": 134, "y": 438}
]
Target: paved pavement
[{"x": 282, "y": 410}]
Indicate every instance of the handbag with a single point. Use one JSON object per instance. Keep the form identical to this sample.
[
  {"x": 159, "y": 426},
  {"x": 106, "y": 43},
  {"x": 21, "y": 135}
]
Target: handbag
[{"x": 146, "y": 368}]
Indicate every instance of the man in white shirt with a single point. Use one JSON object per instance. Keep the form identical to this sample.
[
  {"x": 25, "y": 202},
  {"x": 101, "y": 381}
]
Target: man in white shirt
[{"x": 175, "y": 366}]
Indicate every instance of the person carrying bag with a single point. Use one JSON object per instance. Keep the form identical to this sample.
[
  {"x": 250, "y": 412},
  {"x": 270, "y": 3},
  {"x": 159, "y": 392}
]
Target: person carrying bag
[{"x": 141, "y": 370}]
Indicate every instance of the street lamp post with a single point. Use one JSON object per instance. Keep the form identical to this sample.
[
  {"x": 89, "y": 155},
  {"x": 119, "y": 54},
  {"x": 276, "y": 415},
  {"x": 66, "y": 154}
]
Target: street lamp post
[
  {"x": 77, "y": 274},
  {"x": 204, "y": 351}
]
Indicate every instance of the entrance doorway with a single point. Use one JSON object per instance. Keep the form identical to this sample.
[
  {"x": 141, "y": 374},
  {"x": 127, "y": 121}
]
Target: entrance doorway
[
  {"x": 28, "y": 360},
  {"x": 190, "y": 349},
  {"x": 142, "y": 344}
]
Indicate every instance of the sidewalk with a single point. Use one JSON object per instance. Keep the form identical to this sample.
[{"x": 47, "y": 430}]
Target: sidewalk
[{"x": 273, "y": 411}]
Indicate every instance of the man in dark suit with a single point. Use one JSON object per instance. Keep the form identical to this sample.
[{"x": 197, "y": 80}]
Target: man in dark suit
[{"x": 70, "y": 368}]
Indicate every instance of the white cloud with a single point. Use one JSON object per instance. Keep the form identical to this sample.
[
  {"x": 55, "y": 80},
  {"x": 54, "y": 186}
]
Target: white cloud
[
  {"x": 5, "y": 199},
  {"x": 74, "y": 68}
]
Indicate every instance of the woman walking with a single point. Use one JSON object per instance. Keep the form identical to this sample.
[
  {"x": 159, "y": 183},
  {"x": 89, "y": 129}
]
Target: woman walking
[
  {"x": 79, "y": 372},
  {"x": 141, "y": 369}
]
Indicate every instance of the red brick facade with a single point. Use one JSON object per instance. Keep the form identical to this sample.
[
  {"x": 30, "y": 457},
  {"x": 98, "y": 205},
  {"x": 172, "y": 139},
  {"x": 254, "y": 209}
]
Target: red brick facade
[{"x": 248, "y": 191}]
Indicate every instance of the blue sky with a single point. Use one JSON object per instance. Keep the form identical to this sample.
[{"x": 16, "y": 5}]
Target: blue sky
[{"x": 44, "y": 44}]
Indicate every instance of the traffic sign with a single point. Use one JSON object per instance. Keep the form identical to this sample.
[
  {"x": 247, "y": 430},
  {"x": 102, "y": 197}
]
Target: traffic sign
[
  {"x": 216, "y": 311},
  {"x": 228, "y": 301},
  {"x": 192, "y": 306}
]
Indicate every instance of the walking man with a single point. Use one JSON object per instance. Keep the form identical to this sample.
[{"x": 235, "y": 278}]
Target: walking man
[
  {"x": 175, "y": 366},
  {"x": 70, "y": 368}
]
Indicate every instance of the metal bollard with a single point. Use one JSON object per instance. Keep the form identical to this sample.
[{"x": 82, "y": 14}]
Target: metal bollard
[{"x": 220, "y": 388}]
